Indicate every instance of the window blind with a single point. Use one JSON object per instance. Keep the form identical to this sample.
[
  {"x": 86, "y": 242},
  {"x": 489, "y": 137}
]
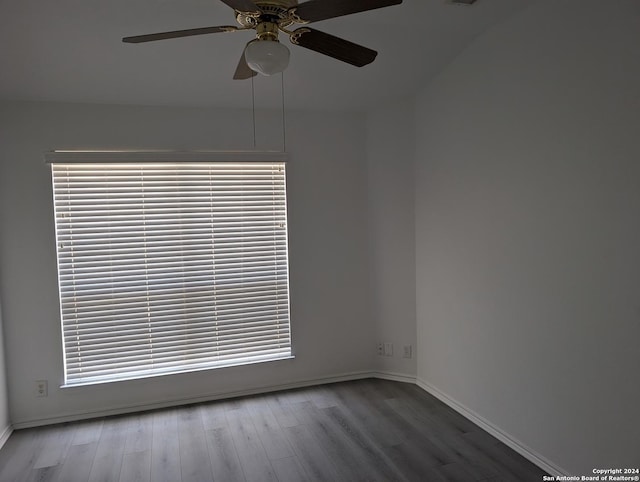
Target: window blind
[{"x": 165, "y": 268}]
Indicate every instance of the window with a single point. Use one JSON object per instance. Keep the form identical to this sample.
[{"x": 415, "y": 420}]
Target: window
[{"x": 169, "y": 267}]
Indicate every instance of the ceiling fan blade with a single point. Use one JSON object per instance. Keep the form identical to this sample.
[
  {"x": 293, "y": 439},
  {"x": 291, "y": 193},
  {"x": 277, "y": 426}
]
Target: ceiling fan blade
[
  {"x": 243, "y": 71},
  {"x": 178, "y": 33},
  {"x": 242, "y": 5},
  {"x": 332, "y": 46},
  {"x": 316, "y": 10}
]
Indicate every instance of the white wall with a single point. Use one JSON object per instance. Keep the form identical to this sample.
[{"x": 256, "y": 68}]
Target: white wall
[
  {"x": 390, "y": 154},
  {"x": 327, "y": 230},
  {"x": 5, "y": 421},
  {"x": 528, "y": 231}
]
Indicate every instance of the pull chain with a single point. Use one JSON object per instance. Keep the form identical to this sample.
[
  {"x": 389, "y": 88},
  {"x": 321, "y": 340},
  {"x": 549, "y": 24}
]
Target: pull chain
[
  {"x": 284, "y": 120},
  {"x": 284, "y": 129},
  {"x": 253, "y": 109}
]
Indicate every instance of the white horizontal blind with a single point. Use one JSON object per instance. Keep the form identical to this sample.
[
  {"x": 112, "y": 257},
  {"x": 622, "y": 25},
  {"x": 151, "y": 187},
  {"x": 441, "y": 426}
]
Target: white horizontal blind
[{"x": 165, "y": 268}]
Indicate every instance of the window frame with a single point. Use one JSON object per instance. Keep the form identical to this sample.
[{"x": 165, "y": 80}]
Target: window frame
[{"x": 173, "y": 157}]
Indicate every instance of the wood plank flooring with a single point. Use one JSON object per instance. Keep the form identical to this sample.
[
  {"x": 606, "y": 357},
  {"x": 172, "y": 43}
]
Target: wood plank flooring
[{"x": 365, "y": 430}]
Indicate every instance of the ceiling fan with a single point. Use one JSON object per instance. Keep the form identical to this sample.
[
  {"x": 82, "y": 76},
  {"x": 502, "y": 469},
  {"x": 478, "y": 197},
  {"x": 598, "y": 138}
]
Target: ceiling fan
[{"x": 265, "y": 54}]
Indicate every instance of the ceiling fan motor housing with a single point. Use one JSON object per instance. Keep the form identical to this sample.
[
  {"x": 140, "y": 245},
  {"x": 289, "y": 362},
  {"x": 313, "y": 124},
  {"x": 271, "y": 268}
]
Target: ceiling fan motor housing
[
  {"x": 267, "y": 31},
  {"x": 276, "y": 11}
]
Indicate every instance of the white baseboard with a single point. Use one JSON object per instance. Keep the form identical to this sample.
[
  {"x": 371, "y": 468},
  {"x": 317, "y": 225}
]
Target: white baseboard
[
  {"x": 494, "y": 430},
  {"x": 122, "y": 409},
  {"x": 393, "y": 376},
  {"x": 5, "y": 434}
]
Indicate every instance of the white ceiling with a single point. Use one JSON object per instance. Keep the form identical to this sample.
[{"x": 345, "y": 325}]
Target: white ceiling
[{"x": 71, "y": 51}]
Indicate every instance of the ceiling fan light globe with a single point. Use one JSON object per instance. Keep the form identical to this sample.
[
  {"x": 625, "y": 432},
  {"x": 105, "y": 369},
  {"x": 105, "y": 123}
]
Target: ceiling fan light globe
[{"x": 267, "y": 57}]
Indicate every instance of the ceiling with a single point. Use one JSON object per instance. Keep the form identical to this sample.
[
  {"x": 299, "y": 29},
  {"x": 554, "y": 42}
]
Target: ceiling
[{"x": 71, "y": 51}]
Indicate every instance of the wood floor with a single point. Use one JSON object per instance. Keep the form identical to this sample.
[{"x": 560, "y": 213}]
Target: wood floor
[{"x": 365, "y": 430}]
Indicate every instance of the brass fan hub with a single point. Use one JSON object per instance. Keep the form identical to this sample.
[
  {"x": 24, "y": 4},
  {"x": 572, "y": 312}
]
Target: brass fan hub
[
  {"x": 274, "y": 11},
  {"x": 267, "y": 31}
]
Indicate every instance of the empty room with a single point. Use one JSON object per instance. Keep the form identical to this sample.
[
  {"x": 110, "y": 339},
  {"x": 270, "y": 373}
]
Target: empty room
[{"x": 338, "y": 240}]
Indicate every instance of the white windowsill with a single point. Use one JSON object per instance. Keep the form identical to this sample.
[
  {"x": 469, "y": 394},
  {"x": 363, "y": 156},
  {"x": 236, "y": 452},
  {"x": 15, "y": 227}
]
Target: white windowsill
[{"x": 173, "y": 372}]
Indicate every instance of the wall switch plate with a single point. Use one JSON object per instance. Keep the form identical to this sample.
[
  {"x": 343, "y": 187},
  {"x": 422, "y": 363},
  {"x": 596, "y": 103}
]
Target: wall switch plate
[
  {"x": 407, "y": 351},
  {"x": 388, "y": 349},
  {"x": 380, "y": 349},
  {"x": 42, "y": 389}
]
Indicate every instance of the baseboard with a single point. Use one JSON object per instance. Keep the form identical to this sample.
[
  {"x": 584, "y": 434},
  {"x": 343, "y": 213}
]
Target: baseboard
[
  {"x": 5, "y": 434},
  {"x": 494, "y": 430},
  {"x": 123, "y": 409},
  {"x": 393, "y": 376}
]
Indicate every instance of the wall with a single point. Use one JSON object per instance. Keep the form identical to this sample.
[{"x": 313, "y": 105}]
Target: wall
[
  {"x": 5, "y": 421},
  {"x": 327, "y": 230},
  {"x": 527, "y": 231},
  {"x": 390, "y": 152}
]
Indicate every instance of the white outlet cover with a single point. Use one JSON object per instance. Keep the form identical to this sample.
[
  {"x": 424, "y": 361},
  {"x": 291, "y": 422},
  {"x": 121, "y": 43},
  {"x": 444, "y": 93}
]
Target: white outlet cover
[
  {"x": 42, "y": 389},
  {"x": 388, "y": 349}
]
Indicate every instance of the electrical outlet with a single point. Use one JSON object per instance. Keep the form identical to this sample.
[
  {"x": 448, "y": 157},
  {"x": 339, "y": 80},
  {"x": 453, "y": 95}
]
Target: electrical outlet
[
  {"x": 388, "y": 349},
  {"x": 380, "y": 349},
  {"x": 41, "y": 388},
  {"x": 407, "y": 351}
]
